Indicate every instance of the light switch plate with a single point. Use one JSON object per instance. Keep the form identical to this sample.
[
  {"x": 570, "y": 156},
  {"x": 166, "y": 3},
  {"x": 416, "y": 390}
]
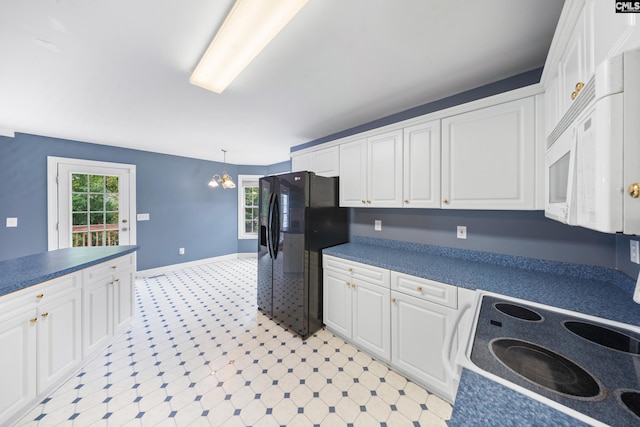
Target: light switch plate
[{"x": 12, "y": 222}]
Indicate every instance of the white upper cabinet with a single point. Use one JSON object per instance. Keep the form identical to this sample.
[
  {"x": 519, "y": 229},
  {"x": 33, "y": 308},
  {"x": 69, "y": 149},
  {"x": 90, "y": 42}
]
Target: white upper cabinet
[
  {"x": 384, "y": 154},
  {"x": 421, "y": 180},
  {"x": 353, "y": 174},
  {"x": 324, "y": 162},
  {"x": 488, "y": 157},
  {"x": 371, "y": 171},
  {"x": 576, "y": 66}
]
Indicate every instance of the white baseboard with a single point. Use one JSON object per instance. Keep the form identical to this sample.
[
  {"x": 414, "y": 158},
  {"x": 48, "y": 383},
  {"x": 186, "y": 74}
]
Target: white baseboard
[{"x": 169, "y": 268}]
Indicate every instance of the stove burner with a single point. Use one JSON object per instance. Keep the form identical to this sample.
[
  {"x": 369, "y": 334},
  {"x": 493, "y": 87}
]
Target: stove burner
[
  {"x": 518, "y": 312},
  {"x": 631, "y": 400},
  {"x": 604, "y": 336},
  {"x": 546, "y": 368}
]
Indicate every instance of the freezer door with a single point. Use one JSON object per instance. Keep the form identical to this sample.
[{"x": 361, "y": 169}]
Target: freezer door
[{"x": 265, "y": 267}]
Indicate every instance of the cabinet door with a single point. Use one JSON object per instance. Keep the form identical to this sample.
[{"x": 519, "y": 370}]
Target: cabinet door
[
  {"x": 326, "y": 162},
  {"x": 418, "y": 331},
  {"x": 488, "y": 158},
  {"x": 123, "y": 300},
  {"x": 18, "y": 361},
  {"x": 576, "y": 65},
  {"x": 384, "y": 176},
  {"x": 421, "y": 152},
  {"x": 372, "y": 319},
  {"x": 96, "y": 316},
  {"x": 301, "y": 163},
  {"x": 336, "y": 303},
  {"x": 353, "y": 174},
  {"x": 59, "y": 338}
]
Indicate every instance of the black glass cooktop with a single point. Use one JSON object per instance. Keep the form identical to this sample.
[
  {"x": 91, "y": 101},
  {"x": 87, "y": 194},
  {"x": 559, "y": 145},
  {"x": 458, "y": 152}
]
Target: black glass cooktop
[{"x": 590, "y": 367}]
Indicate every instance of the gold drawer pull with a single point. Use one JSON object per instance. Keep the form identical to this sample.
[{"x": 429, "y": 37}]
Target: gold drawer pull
[
  {"x": 34, "y": 320},
  {"x": 113, "y": 267},
  {"x": 348, "y": 284},
  {"x": 45, "y": 315},
  {"x": 393, "y": 300},
  {"x": 350, "y": 270},
  {"x": 445, "y": 201},
  {"x": 419, "y": 288},
  {"x": 406, "y": 201},
  {"x": 40, "y": 296},
  {"x": 363, "y": 202},
  {"x": 353, "y": 285}
]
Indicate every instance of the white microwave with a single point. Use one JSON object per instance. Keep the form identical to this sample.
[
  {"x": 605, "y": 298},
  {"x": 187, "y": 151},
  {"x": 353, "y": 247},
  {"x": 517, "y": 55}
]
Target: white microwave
[{"x": 595, "y": 149}]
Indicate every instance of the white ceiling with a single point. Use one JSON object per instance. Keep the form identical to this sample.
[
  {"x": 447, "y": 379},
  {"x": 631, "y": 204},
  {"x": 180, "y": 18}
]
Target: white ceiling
[{"x": 116, "y": 72}]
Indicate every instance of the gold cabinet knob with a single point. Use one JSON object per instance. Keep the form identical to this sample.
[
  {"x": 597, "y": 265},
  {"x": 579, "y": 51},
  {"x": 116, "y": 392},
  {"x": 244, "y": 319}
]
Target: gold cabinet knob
[
  {"x": 348, "y": 284},
  {"x": 393, "y": 300},
  {"x": 634, "y": 190},
  {"x": 350, "y": 270},
  {"x": 45, "y": 315},
  {"x": 445, "y": 201},
  {"x": 419, "y": 288},
  {"x": 363, "y": 201},
  {"x": 40, "y": 296},
  {"x": 113, "y": 267},
  {"x": 353, "y": 285},
  {"x": 34, "y": 320},
  {"x": 579, "y": 87},
  {"x": 406, "y": 201},
  {"x": 369, "y": 202}
]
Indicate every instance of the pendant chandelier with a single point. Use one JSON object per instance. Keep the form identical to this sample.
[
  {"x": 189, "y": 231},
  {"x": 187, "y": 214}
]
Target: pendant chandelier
[{"x": 225, "y": 180}]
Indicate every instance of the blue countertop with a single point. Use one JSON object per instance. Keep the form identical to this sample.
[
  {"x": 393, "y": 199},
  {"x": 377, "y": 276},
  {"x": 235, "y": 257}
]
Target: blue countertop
[
  {"x": 592, "y": 290},
  {"x": 19, "y": 273}
]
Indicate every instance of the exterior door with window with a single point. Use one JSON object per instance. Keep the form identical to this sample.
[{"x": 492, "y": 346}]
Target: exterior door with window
[{"x": 93, "y": 205}]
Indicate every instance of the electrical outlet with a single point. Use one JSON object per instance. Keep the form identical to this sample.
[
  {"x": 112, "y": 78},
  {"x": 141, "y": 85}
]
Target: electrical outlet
[
  {"x": 181, "y": 251},
  {"x": 634, "y": 251},
  {"x": 377, "y": 225},
  {"x": 462, "y": 232}
]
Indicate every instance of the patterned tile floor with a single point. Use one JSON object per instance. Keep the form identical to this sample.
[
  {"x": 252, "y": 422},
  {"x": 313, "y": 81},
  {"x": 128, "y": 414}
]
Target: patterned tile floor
[{"x": 199, "y": 353}]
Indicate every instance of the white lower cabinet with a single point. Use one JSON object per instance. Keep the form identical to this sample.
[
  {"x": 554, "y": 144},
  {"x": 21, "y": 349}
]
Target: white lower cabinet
[
  {"x": 401, "y": 319},
  {"x": 357, "y": 309},
  {"x": 47, "y": 330},
  {"x": 418, "y": 333},
  {"x": 40, "y": 330},
  {"x": 108, "y": 298}
]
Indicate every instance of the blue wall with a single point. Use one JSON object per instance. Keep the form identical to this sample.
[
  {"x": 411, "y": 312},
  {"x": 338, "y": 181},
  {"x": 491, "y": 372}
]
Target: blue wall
[{"x": 184, "y": 211}]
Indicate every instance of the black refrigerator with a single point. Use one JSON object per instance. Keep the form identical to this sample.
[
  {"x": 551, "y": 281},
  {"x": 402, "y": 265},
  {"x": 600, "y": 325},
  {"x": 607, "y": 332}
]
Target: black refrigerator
[{"x": 299, "y": 216}]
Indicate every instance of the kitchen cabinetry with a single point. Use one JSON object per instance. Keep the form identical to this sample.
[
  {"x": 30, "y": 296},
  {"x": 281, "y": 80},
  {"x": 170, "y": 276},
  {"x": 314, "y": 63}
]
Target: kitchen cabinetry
[
  {"x": 324, "y": 162},
  {"x": 356, "y": 304},
  {"x": 488, "y": 157},
  {"x": 421, "y": 165},
  {"x": 50, "y": 328},
  {"x": 422, "y": 312},
  {"x": 108, "y": 301},
  {"x": 41, "y": 327},
  {"x": 371, "y": 171}
]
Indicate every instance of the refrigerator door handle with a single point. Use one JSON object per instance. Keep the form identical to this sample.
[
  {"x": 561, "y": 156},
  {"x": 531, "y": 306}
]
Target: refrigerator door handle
[
  {"x": 270, "y": 226},
  {"x": 276, "y": 228}
]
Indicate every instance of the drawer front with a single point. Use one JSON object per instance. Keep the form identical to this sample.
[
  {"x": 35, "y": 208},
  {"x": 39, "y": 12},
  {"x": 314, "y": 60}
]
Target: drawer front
[
  {"x": 34, "y": 295},
  {"x": 375, "y": 275},
  {"x": 107, "y": 269},
  {"x": 429, "y": 290}
]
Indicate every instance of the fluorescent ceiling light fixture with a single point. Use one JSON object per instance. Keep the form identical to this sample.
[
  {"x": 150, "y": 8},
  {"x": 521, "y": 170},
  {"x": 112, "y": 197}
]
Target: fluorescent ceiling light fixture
[{"x": 249, "y": 27}]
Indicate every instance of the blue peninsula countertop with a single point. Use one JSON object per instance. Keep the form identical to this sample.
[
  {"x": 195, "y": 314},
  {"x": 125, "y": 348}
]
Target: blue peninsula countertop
[
  {"x": 19, "y": 273},
  {"x": 592, "y": 290}
]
